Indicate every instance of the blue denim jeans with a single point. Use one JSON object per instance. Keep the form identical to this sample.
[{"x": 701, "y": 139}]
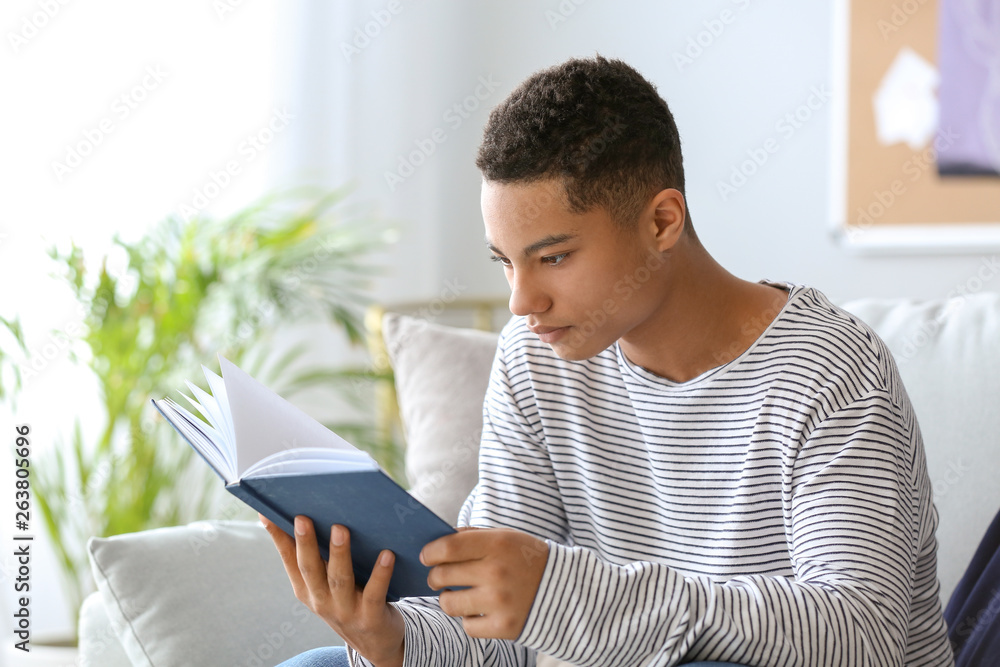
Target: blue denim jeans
[
  {"x": 336, "y": 656},
  {"x": 328, "y": 656}
]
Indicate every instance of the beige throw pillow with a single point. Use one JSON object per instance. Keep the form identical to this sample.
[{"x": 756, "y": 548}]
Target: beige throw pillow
[{"x": 441, "y": 376}]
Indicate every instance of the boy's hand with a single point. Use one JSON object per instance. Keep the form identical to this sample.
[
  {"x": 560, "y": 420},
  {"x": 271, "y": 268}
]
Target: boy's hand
[
  {"x": 363, "y": 618},
  {"x": 503, "y": 568}
]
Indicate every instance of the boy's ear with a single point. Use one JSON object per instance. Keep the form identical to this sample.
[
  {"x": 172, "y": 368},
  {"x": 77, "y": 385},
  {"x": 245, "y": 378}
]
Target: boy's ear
[{"x": 667, "y": 212}]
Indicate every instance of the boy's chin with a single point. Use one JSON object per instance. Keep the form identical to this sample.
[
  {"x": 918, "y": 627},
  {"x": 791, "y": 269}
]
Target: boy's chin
[{"x": 576, "y": 347}]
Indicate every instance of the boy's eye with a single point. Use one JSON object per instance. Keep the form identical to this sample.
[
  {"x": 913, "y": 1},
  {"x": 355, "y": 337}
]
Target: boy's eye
[
  {"x": 551, "y": 260},
  {"x": 501, "y": 260}
]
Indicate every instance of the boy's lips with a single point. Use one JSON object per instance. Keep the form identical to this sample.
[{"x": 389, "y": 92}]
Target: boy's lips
[
  {"x": 539, "y": 329},
  {"x": 549, "y": 334}
]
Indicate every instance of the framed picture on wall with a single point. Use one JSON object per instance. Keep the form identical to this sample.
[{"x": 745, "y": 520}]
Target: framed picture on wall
[{"x": 916, "y": 139}]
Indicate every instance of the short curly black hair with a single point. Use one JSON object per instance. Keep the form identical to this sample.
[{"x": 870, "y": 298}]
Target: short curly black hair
[{"x": 596, "y": 124}]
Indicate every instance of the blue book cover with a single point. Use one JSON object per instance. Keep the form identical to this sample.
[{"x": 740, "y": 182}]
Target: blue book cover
[{"x": 283, "y": 463}]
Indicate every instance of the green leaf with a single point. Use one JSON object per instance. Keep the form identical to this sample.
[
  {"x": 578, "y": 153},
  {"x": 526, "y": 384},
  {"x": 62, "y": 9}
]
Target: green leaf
[{"x": 190, "y": 290}]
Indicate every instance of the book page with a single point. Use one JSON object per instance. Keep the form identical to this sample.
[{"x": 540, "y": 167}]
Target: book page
[
  {"x": 312, "y": 465},
  {"x": 266, "y": 424},
  {"x": 210, "y": 408},
  {"x": 203, "y": 438},
  {"x": 218, "y": 387}
]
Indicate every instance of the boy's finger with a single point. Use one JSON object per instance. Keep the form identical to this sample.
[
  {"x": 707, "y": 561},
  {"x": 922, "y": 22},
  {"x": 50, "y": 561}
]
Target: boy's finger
[
  {"x": 286, "y": 549},
  {"x": 377, "y": 587},
  {"x": 340, "y": 568},
  {"x": 307, "y": 556},
  {"x": 462, "y": 546}
]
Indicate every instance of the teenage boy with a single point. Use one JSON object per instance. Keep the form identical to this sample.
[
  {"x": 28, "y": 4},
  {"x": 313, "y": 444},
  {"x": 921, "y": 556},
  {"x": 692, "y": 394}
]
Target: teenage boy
[{"x": 676, "y": 464}]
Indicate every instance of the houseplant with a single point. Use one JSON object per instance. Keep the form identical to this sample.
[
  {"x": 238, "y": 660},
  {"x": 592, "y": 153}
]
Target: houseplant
[{"x": 191, "y": 290}]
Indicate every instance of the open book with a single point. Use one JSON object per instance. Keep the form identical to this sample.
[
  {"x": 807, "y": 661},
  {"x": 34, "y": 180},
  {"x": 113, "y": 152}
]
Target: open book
[{"x": 282, "y": 463}]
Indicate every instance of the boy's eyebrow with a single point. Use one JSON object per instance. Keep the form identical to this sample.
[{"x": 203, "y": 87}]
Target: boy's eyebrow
[{"x": 550, "y": 240}]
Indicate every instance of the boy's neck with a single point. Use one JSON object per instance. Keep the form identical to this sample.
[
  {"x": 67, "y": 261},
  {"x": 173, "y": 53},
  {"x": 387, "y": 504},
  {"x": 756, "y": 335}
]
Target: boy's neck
[{"x": 708, "y": 317}]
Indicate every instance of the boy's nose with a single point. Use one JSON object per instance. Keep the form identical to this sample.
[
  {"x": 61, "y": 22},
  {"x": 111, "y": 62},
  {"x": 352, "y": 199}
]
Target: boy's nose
[{"x": 526, "y": 298}]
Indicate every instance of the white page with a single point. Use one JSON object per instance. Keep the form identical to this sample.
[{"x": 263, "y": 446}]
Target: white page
[
  {"x": 209, "y": 407},
  {"x": 309, "y": 466},
  {"x": 267, "y": 424},
  {"x": 194, "y": 402},
  {"x": 218, "y": 387},
  {"x": 207, "y": 440}
]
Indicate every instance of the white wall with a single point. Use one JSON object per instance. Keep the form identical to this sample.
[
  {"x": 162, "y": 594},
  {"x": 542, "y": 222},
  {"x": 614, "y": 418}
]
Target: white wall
[{"x": 764, "y": 63}]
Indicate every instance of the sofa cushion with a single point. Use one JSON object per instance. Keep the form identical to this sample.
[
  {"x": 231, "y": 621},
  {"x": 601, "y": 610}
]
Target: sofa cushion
[
  {"x": 209, "y": 593},
  {"x": 948, "y": 354},
  {"x": 441, "y": 374}
]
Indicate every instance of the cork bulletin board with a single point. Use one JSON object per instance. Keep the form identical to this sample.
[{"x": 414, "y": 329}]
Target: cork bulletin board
[{"x": 887, "y": 193}]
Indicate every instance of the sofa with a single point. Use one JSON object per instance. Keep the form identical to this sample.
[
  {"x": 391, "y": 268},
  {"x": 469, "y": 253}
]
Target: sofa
[{"x": 215, "y": 593}]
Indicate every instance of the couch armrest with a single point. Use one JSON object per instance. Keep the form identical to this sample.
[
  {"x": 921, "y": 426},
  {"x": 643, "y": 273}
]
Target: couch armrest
[{"x": 99, "y": 643}]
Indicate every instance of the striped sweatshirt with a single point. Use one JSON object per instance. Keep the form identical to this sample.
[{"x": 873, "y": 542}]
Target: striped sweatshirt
[{"x": 774, "y": 511}]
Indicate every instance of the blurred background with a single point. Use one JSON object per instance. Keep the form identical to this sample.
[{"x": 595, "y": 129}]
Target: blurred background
[{"x": 118, "y": 115}]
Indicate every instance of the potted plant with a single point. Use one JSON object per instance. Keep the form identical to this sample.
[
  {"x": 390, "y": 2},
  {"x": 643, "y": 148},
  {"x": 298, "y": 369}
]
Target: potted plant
[{"x": 191, "y": 290}]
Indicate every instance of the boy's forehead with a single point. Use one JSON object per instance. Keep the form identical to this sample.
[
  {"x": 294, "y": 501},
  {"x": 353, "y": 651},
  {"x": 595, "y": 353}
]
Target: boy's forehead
[
  {"x": 520, "y": 216},
  {"x": 524, "y": 200}
]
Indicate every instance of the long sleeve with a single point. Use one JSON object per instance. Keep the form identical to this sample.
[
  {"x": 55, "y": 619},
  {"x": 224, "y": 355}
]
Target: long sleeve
[{"x": 854, "y": 529}]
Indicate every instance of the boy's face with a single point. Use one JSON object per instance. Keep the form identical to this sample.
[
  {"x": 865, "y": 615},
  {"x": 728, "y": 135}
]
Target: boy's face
[{"x": 579, "y": 280}]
